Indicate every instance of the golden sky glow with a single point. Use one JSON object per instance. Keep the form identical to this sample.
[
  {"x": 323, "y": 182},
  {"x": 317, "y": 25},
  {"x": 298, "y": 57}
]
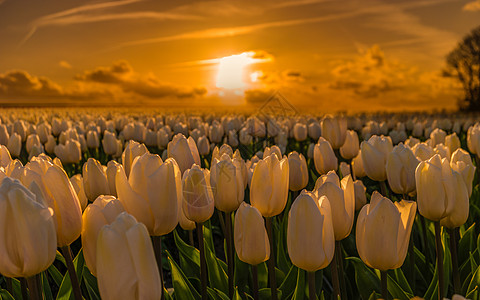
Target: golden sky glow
[{"x": 331, "y": 55}]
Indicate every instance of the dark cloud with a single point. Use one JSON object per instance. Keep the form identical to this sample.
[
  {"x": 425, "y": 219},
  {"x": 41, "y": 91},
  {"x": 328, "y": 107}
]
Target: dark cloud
[
  {"x": 22, "y": 84},
  {"x": 122, "y": 75},
  {"x": 258, "y": 95}
]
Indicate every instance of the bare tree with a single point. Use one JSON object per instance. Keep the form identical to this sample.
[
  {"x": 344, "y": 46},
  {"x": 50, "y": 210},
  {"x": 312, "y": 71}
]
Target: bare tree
[{"x": 464, "y": 63}]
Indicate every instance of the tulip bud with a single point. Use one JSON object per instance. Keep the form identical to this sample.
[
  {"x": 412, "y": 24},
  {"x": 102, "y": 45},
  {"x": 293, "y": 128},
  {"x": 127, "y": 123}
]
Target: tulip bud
[
  {"x": 344, "y": 169},
  {"x": 233, "y": 138},
  {"x": 203, "y": 145},
  {"x": 411, "y": 142},
  {"x": 443, "y": 151},
  {"x": 102, "y": 211},
  {"x": 244, "y": 137},
  {"x": 94, "y": 179},
  {"x": 341, "y": 195},
  {"x": 400, "y": 167},
  {"x": 423, "y": 151},
  {"x": 5, "y": 157},
  {"x": 32, "y": 140},
  {"x": 59, "y": 194},
  {"x": 438, "y": 136},
  {"x": 50, "y": 144},
  {"x": 269, "y": 187},
  {"x": 357, "y": 166},
  {"x": 334, "y": 130},
  {"x": 28, "y": 241},
  {"x": 310, "y": 234},
  {"x": 374, "y": 156},
  {"x": 162, "y": 138},
  {"x": 198, "y": 203},
  {"x": 271, "y": 150},
  {"x": 109, "y": 143},
  {"x": 77, "y": 183},
  {"x": 70, "y": 152},
  {"x": 112, "y": 168},
  {"x": 4, "y": 135},
  {"x": 435, "y": 188},
  {"x": 126, "y": 265},
  {"x": 300, "y": 132},
  {"x": 310, "y": 150},
  {"x": 14, "y": 144},
  {"x": 216, "y": 132},
  {"x": 314, "y": 130},
  {"x": 383, "y": 232},
  {"x": 351, "y": 146},
  {"x": 92, "y": 140},
  {"x": 298, "y": 171},
  {"x": 462, "y": 163},
  {"x": 459, "y": 215},
  {"x": 184, "y": 151},
  {"x": 324, "y": 157},
  {"x": 132, "y": 150},
  {"x": 251, "y": 239},
  {"x": 452, "y": 142},
  {"x": 360, "y": 196},
  {"x": 226, "y": 180},
  {"x": 473, "y": 138}
]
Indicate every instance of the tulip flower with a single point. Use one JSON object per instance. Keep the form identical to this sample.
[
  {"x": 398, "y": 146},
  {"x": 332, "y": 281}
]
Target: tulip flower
[
  {"x": 203, "y": 145},
  {"x": 126, "y": 266},
  {"x": 458, "y": 216},
  {"x": 344, "y": 169},
  {"x": 314, "y": 130},
  {"x": 198, "y": 198},
  {"x": 462, "y": 163},
  {"x": 77, "y": 183},
  {"x": 334, "y": 130},
  {"x": 383, "y": 232},
  {"x": 132, "y": 150},
  {"x": 360, "y": 194},
  {"x": 94, "y": 179},
  {"x": 452, "y": 142},
  {"x": 438, "y": 136},
  {"x": 5, "y": 157},
  {"x": 300, "y": 132},
  {"x": 341, "y": 195},
  {"x": 310, "y": 236},
  {"x": 400, "y": 167},
  {"x": 184, "y": 151},
  {"x": 324, "y": 157},
  {"x": 423, "y": 151},
  {"x": 271, "y": 150},
  {"x": 351, "y": 146},
  {"x": 310, "y": 233},
  {"x": 435, "y": 188},
  {"x": 28, "y": 241},
  {"x": 14, "y": 144},
  {"x": 112, "y": 168},
  {"x": 357, "y": 166},
  {"x": 150, "y": 194},
  {"x": 251, "y": 240},
  {"x": 70, "y": 152},
  {"x": 298, "y": 171},
  {"x": 226, "y": 180},
  {"x": 443, "y": 151},
  {"x": 473, "y": 139},
  {"x": 109, "y": 143},
  {"x": 374, "y": 156},
  {"x": 269, "y": 188},
  {"x": 32, "y": 140},
  {"x": 216, "y": 132},
  {"x": 93, "y": 141},
  {"x": 102, "y": 211}
]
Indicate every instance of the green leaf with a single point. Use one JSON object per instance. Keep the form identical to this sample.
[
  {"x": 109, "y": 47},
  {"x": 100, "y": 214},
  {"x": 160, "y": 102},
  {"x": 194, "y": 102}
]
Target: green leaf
[
  {"x": 183, "y": 288},
  {"x": 366, "y": 280},
  {"x": 467, "y": 243},
  {"x": 65, "y": 291},
  {"x": 299, "y": 293},
  {"x": 289, "y": 282},
  {"x": 402, "y": 281},
  {"x": 4, "y": 294},
  {"x": 189, "y": 256},
  {"x": 216, "y": 274},
  {"x": 472, "y": 290},
  {"x": 91, "y": 284},
  {"x": 46, "y": 287},
  {"x": 216, "y": 294},
  {"x": 396, "y": 291},
  {"x": 55, "y": 274},
  {"x": 241, "y": 276},
  {"x": 266, "y": 294},
  {"x": 262, "y": 275}
]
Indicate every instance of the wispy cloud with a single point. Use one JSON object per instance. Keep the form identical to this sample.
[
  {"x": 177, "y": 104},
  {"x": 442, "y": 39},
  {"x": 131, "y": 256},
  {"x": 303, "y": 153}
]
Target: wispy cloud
[
  {"x": 96, "y": 13},
  {"x": 220, "y": 32},
  {"x": 472, "y": 6}
]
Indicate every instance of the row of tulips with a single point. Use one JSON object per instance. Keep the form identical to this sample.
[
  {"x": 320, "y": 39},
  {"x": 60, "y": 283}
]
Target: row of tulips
[{"x": 146, "y": 196}]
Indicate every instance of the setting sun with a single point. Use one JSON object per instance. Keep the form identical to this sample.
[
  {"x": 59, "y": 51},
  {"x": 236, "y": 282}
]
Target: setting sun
[{"x": 231, "y": 70}]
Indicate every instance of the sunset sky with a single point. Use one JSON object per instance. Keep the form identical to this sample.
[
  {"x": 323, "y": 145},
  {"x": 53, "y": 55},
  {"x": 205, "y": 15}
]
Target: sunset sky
[{"x": 325, "y": 55}]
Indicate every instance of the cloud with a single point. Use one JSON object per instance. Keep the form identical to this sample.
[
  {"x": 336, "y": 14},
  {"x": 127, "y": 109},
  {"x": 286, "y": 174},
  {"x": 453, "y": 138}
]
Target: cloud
[
  {"x": 91, "y": 13},
  {"x": 122, "y": 75},
  {"x": 22, "y": 84},
  {"x": 65, "y": 64},
  {"x": 472, "y": 6},
  {"x": 256, "y": 96}
]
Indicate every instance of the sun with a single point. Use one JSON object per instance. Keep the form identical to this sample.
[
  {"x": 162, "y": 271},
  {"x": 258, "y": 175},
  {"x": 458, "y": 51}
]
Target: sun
[{"x": 231, "y": 71}]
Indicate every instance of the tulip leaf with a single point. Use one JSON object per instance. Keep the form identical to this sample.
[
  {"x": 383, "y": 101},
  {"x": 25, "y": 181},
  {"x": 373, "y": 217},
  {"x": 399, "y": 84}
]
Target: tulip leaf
[
  {"x": 55, "y": 274},
  {"x": 447, "y": 268},
  {"x": 4, "y": 294},
  {"x": 289, "y": 282},
  {"x": 183, "y": 288},
  {"x": 299, "y": 293},
  {"x": 216, "y": 274},
  {"x": 467, "y": 243},
  {"x": 366, "y": 280},
  {"x": 189, "y": 256},
  {"x": 262, "y": 275},
  {"x": 396, "y": 291},
  {"x": 402, "y": 281},
  {"x": 46, "y": 287},
  {"x": 65, "y": 291},
  {"x": 283, "y": 261},
  {"x": 208, "y": 235},
  {"x": 473, "y": 287},
  {"x": 242, "y": 272},
  {"x": 266, "y": 294},
  {"x": 91, "y": 284}
]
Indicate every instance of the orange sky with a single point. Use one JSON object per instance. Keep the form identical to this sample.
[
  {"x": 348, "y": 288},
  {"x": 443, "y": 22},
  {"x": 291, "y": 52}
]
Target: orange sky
[{"x": 320, "y": 54}]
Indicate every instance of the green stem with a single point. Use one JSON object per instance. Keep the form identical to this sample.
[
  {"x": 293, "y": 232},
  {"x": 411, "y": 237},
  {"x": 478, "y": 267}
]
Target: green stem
[
  {"x": 23, "y": 287},
  {"x": 453, "y": 250},
  {"x": 8, "y": 282},
  {"x": 438, "y": 247},
  {"x": 190, "y": 238},
  {"x": 255, "y": 281},
  {"x": 384, "y": 279},
  {"x": 67, "y": 254},
  {"x": 411, "y": 255},
  {"x": 222, "y": 222},
  {"x": 229, "y": 256},
  {"x": 338, "y": 252},
  {"x": 271, "y": 261},
  {"x": 311, "y": 286},
  {"x": 157, "y": 248},
  {"x": 203, "y": 263},
  {"x": 425, "y": 240},
  {"x": 336, "y": 283},
  {"x": 383, "y": 189}
]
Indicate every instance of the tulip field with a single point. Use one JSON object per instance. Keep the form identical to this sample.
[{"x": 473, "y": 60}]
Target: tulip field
[{"x": 118, "y": 204}]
